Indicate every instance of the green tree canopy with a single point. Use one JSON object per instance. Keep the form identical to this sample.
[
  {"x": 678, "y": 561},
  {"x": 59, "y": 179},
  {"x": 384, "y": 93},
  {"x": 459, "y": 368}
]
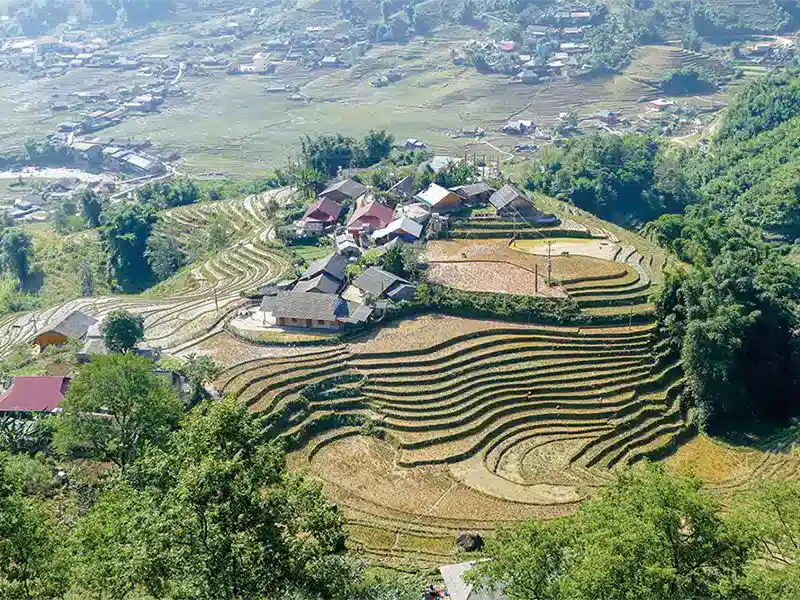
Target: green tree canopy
[
  {"x": 648, "y": 535},
  {"x": 126, "y": 235},
  {"x": 115, "y": 407},
  {"x": 122, "y": 330},
  {"x": 91, "y": 207},
  {"x": 214, "y": 514},
  {"x": 16, "y": 247}
]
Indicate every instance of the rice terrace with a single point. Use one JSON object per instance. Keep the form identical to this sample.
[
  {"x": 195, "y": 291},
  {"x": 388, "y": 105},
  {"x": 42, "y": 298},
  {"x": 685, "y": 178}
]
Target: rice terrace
[{"x": 319, "y": 300}]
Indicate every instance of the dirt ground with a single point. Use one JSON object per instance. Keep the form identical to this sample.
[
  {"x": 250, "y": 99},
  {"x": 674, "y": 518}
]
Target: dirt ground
[
  {"x": 427, "y": 330},
  {"x": 364, "y": 467},
  {"x": 565, "y": 268},
  {"x": 602, "y": 249},
  {"x": 501, "y": 278}
]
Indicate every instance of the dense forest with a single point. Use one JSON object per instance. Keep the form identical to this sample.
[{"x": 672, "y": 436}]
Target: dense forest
[{"x": 731, "y": 210}]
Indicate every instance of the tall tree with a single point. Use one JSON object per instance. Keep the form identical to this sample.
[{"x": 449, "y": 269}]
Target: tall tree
[
  {"x": 217, "y": 516},
  {"x": 115, "y": 407},
  {"x": 122, "y": 330},
  {"x": 125, "y": 235},
  {"x": 91, "y": 207},
  {"x": 16, "y": 247},
  {"x": 33, "y": 557}
]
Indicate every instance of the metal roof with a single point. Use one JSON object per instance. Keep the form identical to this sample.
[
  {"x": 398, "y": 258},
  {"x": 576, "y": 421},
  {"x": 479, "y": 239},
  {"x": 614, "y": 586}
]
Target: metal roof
[
  {"x": 34, "y": 394},
  {"x": 304, "y": 305}
]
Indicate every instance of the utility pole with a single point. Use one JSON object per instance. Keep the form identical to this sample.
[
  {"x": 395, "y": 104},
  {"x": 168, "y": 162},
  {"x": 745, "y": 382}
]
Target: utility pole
[
  {"x": 549, "y": 262},
  {"x": 536, "y": 277},
  {"x": 630, "y": 317},
  {"x": 216, "y": 303}
]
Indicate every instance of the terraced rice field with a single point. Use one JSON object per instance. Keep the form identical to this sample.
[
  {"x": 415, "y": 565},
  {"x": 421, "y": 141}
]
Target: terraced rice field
[
  {"x": 214, "y": 288},
  {"x": 436, "y": 425}
]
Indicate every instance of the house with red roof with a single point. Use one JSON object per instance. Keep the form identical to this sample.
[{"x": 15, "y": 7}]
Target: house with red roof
[
  {"x": 369, "y": 217},
  {"x": 320, "y": 216},
  {"x": 34, "y": 394}
]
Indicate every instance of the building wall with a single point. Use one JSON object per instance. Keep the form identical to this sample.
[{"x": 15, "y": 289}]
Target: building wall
[
  {"x": 309, "y": 324},
  {"x": 49, "y": 338}
]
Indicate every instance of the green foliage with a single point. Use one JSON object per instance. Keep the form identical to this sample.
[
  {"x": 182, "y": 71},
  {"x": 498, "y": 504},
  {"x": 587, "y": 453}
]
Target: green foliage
[
  {"x": 115, "y": 408},
  {"x": 91, "y": 207},
  {"x": 217, "y": 236},
  {"x": 405, "y": 260},
  {"x": 453, "y": 174},
  {"x": 164, "y": 255},
  {"x": 125, "y": 236},
  {"x": 735, "y": 322},
  {"x": 12, "y": 300},
  {"x": 618, "y": 178},
  {"x": 490, "y": 305},
  {"x": 169, "y": 194},
  {"x": 221, "y": 517},
  {"x": 771, "y": 515},
  {"x": 122, "y": 330},
  {"x": 16, "y": 247},
  {"x": 688, "y": 80},
  {"x": 199, "y": 370},
  {"x": 648, "y": 535},
  {"x": 326, "y": 154},
  {"x": 33, "y": 557},
  {"x": 764, "y": 104},
  {"x": 21, "y": 435},
  {"x": 370, "y": 258}
]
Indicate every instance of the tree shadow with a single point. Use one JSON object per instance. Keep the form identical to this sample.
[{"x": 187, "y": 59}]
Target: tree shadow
[{"x": 33, "y": 283}]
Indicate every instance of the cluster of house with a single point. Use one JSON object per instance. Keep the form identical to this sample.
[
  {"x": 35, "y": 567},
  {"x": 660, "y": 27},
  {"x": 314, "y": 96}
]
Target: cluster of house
[
  {"x": 100, "y": 109},
  {"x": 323, "y": 299},
  {"x": 55, "y": 55},
  {"x": 549, "y": 50},
  {"x": 119, "y": 156},
  {"x": 27, "y": 395},
  {"x": 373, "y": 224},
  {"x": 781, "y": 53}
]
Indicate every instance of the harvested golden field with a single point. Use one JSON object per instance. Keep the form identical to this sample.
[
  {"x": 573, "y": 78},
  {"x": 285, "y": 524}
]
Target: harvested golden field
[
  {"x": 565, "y": 268},
  {"x": 428, "y": 330},
  {"x": 712, "y": 462},
  {"x": 497, "y": 277},
  {"x": 602, "y": 249}
]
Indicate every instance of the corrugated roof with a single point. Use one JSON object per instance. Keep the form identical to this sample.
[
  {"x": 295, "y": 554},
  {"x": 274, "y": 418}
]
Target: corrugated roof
[
  {"x": 322, "y": 283},
  {"x": 473, "y": 189},
  {"x": 327, "y": 207},
  {"x": 334, "y": 265},
  {"x": 34, "y": 394},
  {"x": 76, "y": 325},
  {"x": 376, "y": 210},
  {"x": 348, "y": 187},
  {"x": 376, "y": 281},
  {"x": 402, "y": 224},
  {"x": 505, "y": 196},
  {"x": 433, "y": 195}
]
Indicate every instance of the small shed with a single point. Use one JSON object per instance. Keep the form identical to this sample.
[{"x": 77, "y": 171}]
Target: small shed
[
  {"x": 509, "y": 201},
  {"x": 474, "y": 193},
  {"x": 439, "y": 199},
  {"x": 75, "y": 326}
]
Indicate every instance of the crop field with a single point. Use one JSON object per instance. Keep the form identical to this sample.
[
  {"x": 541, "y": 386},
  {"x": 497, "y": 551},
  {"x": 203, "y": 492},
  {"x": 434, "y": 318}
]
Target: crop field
[
  {"x": 231, "y": 124},
  {"x": 182, "y": 317},
  {"x": 435, "y": 425}
]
